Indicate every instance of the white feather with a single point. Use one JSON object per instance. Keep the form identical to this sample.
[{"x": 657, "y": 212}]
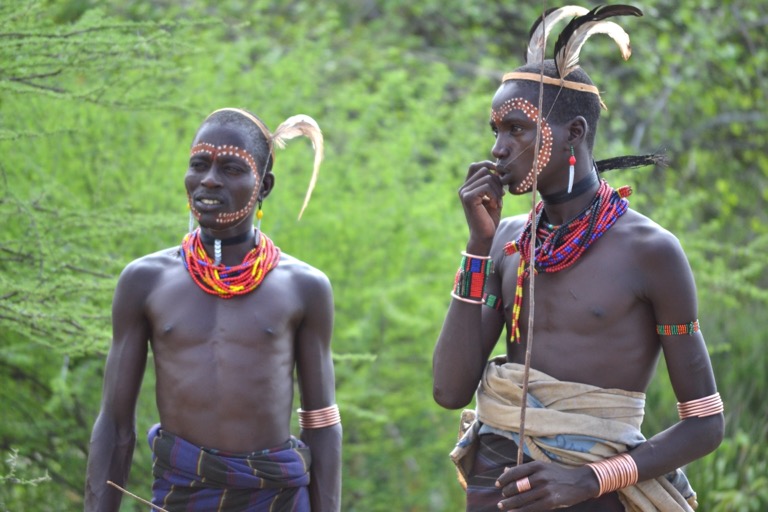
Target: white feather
[
  {"x": 298, "y": 126},
  {"x": 538, "y": 42},
  {"x": 568, "y": 56}
]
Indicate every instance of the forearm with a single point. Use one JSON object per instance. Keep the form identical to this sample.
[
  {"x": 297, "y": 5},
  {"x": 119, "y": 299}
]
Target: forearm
[
  {"x": 325, "y": 472},
  {"x": 677, "y": 446},
  {"x": 667, "y": 451},
  {"x": 109, "y": 458},
  {"x": 459, "y": 356}
]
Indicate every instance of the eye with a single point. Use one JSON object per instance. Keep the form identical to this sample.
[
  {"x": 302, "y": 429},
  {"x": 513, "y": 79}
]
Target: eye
[
  {"x": 197, "y": 165},
  {"x": 233, "y": 169}
]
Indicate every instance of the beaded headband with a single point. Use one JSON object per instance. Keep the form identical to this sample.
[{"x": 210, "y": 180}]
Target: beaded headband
[{"x": 294, "y": 126}]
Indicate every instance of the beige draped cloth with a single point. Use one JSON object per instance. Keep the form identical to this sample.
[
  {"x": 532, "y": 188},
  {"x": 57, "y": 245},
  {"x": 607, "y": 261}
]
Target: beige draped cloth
[{"x": 569, "y": 423}]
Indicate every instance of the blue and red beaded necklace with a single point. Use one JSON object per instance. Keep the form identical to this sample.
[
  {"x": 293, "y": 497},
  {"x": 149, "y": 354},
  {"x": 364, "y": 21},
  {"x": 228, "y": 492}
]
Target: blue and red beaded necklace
[{"x": 559, "y": 247}]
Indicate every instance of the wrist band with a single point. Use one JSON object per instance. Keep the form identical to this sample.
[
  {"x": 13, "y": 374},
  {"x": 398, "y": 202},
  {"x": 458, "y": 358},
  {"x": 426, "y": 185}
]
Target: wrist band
[
  {"x": 469, "y": 284},
  {"x": 677, "y": 329},
  {"x": 319, "y": 418},
  {"x": 701, "y": 407},
  {"x": 615, "y": 473}
]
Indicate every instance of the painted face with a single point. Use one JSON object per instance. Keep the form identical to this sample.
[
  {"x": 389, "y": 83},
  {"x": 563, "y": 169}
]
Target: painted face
[
  {"x": 514, "y": 123},
  {"x": 223, "y": 178}
]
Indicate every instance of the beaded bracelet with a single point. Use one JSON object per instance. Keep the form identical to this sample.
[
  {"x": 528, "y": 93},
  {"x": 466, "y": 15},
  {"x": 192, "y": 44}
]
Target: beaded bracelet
[
  {"x": 319, "y": 418},
  {"x": 677, "y": 329},
  {"x": 469, "y": 284},
  {"x": 615, "y": 473},
  {"x": 701, "y": 407}
]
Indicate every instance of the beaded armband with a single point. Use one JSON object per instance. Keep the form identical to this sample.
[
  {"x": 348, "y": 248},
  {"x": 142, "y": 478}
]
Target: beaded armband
[
  {"x": 677, "y": 329},
  {"x": 469, "y": 285},
  {"x": 319, "y": 418},
  {"x": 701, "y": 407},
  {"x": 615, "y": 473},
  {"x": 492, "y": 301}
]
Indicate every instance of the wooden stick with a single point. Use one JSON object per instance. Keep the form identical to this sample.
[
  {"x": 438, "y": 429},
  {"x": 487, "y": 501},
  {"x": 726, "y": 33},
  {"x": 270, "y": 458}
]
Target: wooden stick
[
  {"x": 113, "y": 484},
  {"x": 531, "y": 265}
]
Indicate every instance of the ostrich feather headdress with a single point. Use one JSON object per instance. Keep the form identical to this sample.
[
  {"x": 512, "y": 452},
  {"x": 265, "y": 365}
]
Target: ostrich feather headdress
[
  {"x": 294, "y": 126},
  {"x": 584, "y": 24}
]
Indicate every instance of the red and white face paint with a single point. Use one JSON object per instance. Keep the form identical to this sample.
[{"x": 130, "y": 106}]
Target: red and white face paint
[
  {"x": 545, "y": 148},
  {"x": 230, "y": 151}
]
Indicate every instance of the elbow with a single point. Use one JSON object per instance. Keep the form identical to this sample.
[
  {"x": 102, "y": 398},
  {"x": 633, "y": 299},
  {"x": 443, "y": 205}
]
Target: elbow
[
  {"x": 711, "y": 433},
  {"x": 448, "y": 399},
  {"x": 717, "y": 429}
]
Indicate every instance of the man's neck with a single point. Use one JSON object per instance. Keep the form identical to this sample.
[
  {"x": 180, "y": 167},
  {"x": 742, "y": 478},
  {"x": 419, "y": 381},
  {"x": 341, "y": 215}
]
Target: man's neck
[
  {"x": 233, "y": 247},
  {"x": 562, "y": 207},
  {"x": 209, "y": 239}
]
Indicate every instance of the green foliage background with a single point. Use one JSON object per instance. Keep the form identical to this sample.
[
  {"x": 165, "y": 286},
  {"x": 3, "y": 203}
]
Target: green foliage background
[{"x": 98, "y": 104}]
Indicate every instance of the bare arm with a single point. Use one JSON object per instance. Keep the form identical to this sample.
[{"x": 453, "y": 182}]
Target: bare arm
[
  {"x": 671, "y": 291},
  {"x": 314, "y": 365},
  {"x": 470, "y": 331},
  {"x": 113, "y": 437}
]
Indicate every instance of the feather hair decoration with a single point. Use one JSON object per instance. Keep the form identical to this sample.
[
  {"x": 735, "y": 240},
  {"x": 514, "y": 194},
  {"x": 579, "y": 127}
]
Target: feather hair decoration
[
  {"x": 539, "y": 33},
  {"x": 575, "y": 34},
  {"x": 296, "y": 126}
]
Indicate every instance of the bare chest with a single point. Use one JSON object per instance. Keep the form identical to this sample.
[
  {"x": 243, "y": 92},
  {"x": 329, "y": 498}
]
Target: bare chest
[
  {"x": 596, "y": 291},
  {"x": 183, "y": 316},
  {"x": 590, "y": 321}
]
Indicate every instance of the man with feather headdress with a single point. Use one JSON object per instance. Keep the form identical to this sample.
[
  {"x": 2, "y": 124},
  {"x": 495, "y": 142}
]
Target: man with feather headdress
[
  {"x": 557, "y": 418},
  {"x": 229, "y": 318}
]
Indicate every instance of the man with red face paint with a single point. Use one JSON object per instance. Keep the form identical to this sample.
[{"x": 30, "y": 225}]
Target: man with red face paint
[
  {"x": 613, "y": 290},
  {"x": 229, "y": 318}
]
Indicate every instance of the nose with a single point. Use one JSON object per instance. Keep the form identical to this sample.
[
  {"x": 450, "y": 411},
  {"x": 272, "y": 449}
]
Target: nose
[
  {"x": 499, "y": 151},
  {"x": 211, "y": 177}
]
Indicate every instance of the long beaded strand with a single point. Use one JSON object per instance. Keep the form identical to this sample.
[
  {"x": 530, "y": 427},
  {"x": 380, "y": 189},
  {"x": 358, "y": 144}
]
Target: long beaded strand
[
  {"x": 561, "y": 246},
  {"x": 225, "y": 281}
]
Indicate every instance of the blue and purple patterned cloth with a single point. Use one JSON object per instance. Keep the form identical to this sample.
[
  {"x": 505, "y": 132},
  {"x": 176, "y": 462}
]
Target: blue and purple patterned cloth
[{"x": 189, "y": 478}]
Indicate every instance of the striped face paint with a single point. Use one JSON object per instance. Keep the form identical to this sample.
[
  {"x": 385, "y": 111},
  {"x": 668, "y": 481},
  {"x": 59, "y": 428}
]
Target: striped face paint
[
  {"x": 545, "y": 150},
  {"x": 229, "y": 151}
]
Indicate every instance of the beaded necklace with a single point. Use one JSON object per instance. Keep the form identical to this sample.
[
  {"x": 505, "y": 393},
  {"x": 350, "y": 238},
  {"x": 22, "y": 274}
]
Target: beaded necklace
[
  {"x": 225, "y": 281},
  {"x": 559, "y": 247}
]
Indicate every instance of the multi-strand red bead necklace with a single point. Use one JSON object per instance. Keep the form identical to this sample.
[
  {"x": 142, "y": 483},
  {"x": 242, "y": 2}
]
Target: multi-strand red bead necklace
[
  {"x": 559, "y": 247},
  {"x": 224, "y": 281}
]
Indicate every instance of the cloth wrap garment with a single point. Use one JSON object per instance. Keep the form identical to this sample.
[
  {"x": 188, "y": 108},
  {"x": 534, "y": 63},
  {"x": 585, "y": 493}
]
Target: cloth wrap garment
[
  {"x": 190, "y": 479},
  {"x": 567, "y": 423}
]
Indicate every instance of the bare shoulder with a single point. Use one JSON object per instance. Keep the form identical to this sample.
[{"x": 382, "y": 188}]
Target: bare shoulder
[
  {"x": 647, "y": 240},
  {"x": 143, "y": 272},
  {"x": 303, "y": 275},
  {"x": 509, "y": 229}
]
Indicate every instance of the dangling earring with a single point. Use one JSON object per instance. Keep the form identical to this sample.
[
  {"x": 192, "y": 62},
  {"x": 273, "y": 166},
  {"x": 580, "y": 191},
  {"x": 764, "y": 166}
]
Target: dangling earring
[
  {"x": 571, "y": 170},
  {"x": 191, "y": 221},
  {"x": 259, "y": 215}
]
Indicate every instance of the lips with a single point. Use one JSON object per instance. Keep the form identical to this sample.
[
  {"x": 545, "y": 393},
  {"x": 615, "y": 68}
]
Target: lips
[{"x": 207, "y": 204}]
